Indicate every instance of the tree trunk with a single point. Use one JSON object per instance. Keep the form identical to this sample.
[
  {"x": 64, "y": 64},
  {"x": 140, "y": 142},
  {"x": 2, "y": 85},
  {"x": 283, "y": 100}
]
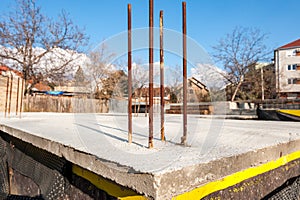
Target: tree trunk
[
  {"x": 135, "y": 114},
  {"x": 236, "y": 90}
]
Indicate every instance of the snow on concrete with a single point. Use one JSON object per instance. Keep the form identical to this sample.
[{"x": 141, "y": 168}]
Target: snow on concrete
[{"x": 105, "y": 136}]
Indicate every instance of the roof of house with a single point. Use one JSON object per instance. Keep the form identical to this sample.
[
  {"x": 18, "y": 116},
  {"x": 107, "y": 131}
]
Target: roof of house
[
  {"x": 198, "y": 83},
  {"x": 41, "y": 87},
  {"x": 195, "y": 82},
  {"x": 293, "y": 44},
  {"x": 4, "y": 68}
]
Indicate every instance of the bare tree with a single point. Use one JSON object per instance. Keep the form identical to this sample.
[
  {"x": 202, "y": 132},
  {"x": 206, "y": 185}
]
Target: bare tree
[
  {"x": 140, "y": 78},
  {"x": 238, "y": 51},
  {"x": 33, "y": 42},
  {"x": 99, "y": 66},
  {"x": 79, "y": 77},
  {"x": 139, "y": 75},
  {"x": 115, "y": 85},
  {"x": 174, "y": 80}
]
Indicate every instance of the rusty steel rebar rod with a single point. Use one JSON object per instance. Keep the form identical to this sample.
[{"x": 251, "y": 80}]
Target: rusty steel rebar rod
[
  {"x": 162, "y": 76},
  {"x": 10, "y": 93},
  {"x": 146, "y": 107},
  {"x": 150, "y": 142},
  {"x": 17, "y": 100},
  {"x": 184, "y": 62},
  {"x": 21, "y": 100},
  {"x": 129, "y": 77},
  {"x": 6, "y": 97}
]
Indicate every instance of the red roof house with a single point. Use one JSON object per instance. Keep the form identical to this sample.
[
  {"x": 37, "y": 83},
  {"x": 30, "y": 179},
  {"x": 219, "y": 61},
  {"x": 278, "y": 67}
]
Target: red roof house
[
  {"x": 294, "y": 44},
  {"x": 4, "y": 68}
]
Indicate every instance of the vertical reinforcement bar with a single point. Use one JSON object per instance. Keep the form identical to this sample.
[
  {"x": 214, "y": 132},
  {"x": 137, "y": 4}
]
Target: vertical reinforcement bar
[
  {"x": 150, "y": 144},
  {"x": 6, "y": 97},
  {"x": 184, "y": 51},
  {"x": 129, "y": 77},
  {"x": 146, "y": 108},
  {"x": 17, "y": 100},
  {"x": 162, "y": 77}
]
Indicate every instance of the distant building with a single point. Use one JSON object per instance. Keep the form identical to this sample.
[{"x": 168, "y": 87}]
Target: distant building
[
  {"x": 142, "y": 95},
  {"x": 38, "y": 88},
  {"x": 287, "y": 65},
  {"x": 196, "y": 92}
]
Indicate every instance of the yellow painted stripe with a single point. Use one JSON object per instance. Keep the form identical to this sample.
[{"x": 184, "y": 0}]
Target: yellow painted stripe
[
  {"x": 291, "y": 112},
  {"x": 132, "y": 198},
  {"x": 236, "y": 178},
  {"x": 108, "y": 186}
]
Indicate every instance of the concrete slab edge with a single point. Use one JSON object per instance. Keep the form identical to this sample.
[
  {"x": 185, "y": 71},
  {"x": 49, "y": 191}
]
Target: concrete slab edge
[
  {"x": 167, "y": 185},
  {"x": 191, "y": 177},
  {"x": 142, "y": 183},
  {"x": 109, "y": 187},
  {"x": 238, "y": 177}
]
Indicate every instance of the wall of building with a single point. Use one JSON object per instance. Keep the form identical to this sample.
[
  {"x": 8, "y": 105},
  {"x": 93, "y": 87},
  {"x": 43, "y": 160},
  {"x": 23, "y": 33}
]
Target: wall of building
[
  {"x": 283, "y": 58},
  {"x": 196, "y": 94}
]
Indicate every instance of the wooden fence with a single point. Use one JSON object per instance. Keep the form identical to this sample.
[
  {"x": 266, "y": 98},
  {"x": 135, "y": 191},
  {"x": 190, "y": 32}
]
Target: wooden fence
[
  {"x": 10, "y": 97},
  {"x": 64, "y": 104}
]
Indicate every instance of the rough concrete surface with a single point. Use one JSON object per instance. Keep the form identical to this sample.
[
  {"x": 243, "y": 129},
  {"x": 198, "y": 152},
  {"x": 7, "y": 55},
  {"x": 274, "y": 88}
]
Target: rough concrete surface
[{"x": 98, "y": 142}]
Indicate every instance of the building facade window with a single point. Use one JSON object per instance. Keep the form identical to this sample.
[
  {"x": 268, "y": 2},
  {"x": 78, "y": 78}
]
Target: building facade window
[
  {"x": 293, "y": 81},
  {"x": 292, "y": 67},
  {"x": 291, "y": 53}
]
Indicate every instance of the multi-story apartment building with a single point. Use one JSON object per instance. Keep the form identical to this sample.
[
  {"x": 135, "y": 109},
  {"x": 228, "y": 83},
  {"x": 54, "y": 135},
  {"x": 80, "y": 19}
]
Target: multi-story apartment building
[{"x": 287, "y": 65}]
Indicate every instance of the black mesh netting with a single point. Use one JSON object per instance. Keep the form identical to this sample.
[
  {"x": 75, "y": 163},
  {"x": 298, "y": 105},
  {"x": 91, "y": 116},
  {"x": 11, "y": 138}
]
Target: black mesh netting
[
  {"x": 45, "y": 170},
  {"x": 4, "y": 188},
  {"x": 49, "y": 176},
  {"x": 49, "y": 173},
  {"x": 51, "y": 183},
  {"x": 290, "y": 190}
]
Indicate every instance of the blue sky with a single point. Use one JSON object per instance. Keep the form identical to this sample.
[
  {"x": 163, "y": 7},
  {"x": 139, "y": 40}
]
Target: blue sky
[{"x": 208, "y": 20}]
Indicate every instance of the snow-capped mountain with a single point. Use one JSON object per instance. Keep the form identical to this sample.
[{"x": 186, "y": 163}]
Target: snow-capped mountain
[
  {"x": 210, "y": 75},
  {"x": 51, "y": 62}
]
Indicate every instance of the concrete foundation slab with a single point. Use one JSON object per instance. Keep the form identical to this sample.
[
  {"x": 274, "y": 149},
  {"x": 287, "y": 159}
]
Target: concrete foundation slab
[{"x": 216, "y": 147}]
